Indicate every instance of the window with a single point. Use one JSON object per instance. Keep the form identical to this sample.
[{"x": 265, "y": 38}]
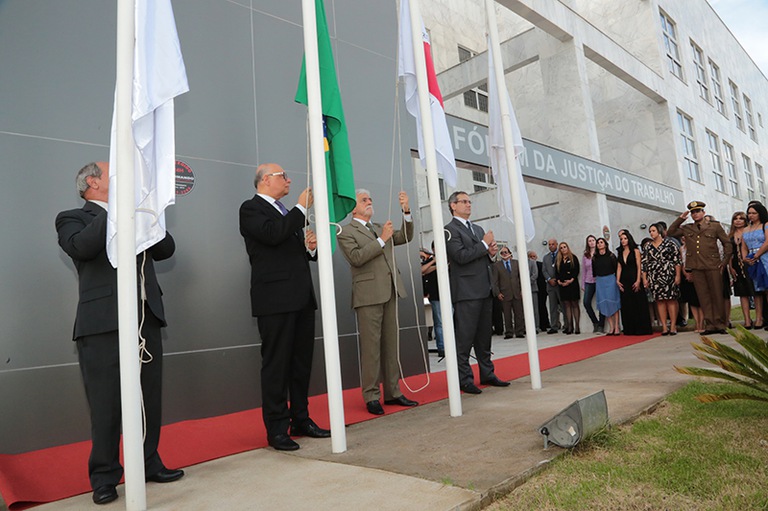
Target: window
[
  {"x": 481, "y": 180},
  {"x": 747, "y": 163},
  {"x": 760, "y": 182},
  {"x": 690, "y": 161},
  {"x": 750, "y": 118},
  {"x": 441, "y": 184},
  {"x": 736, "y": 105},
  {"x": 701, "y": 71},
  {"x": 717, "y": 87},
  {"x": 717, "y": 165},
  {"x": 730, "y": 167},
  {"x": 669, "y": 33},
  {"x": 476, "y": 98}
]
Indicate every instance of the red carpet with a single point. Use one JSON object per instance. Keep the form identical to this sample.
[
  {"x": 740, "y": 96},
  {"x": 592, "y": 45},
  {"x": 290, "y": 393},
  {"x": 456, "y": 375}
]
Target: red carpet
[{"x": 56, "y": 473}]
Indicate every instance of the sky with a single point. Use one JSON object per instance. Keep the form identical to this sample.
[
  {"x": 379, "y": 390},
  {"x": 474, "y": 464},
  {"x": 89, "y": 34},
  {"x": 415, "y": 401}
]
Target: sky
[{"x": 747, "y": 21}]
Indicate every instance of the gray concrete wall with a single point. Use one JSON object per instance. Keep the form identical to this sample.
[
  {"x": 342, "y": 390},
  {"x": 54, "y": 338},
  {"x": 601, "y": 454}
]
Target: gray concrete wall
[{"x": 243, "y": 59}]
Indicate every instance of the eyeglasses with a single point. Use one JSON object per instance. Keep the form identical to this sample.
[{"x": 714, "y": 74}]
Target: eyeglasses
[
  {"x": 283, "y": 174},
  {"x": 465, "y": 201}
]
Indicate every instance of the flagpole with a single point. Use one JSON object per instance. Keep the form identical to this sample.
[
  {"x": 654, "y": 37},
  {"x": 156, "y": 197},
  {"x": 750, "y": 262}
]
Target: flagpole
[
  {"x": 324, "y": 254},
  {"x": 128, "y": 321},
  {"x": 517, "y": 209},
  {"x": 433, "y": 186}
]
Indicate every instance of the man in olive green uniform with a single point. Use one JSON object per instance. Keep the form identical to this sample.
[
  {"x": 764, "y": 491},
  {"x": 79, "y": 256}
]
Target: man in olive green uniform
[{"x": 703, "y": 258}]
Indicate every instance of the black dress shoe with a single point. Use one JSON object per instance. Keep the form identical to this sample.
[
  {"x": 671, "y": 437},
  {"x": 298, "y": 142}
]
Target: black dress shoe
[
  {"x": 708, "y": 332},
  {"x": 508, "y": 336},
  {"x": 166, "y": 475},
  {"x": 104, "y": 494},
  {"x": 401, "y": 401},
  {"x": 374, "y": 407},
  {"x": 520, "y": 336},
  {"x": 441, "y": 353},
  {"x": 470, "y": 388},
  {"x": 495, "y": 383},
  {"x": 310, "y": 429},
  {"x": 282, "y": 442},
  {"x": 551, "y": 331}
]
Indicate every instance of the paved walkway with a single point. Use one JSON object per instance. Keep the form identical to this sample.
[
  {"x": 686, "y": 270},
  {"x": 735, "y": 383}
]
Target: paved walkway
[{"x": 423, "y": 459}]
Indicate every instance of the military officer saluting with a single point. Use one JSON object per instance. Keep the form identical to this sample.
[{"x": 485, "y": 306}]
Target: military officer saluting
[{"x": 704, "y": 260}]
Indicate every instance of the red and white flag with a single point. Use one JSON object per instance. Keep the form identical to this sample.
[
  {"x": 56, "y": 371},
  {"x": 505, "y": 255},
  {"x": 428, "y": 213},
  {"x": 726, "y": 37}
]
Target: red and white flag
[
  {"x": 446, "y": 163},
  {"x": 159, "y": 76}
]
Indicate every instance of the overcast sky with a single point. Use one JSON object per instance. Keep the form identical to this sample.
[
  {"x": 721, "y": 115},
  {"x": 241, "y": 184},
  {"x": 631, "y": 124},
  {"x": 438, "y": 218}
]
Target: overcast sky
[{"x": 747, "y": 20}]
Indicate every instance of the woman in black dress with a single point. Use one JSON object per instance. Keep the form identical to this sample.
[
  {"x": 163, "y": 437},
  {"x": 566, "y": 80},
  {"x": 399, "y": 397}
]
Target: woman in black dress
[
  {"x": 742, "y": 283},
  {"x": 634, "y": 301},
  {"x": 567, "y": 273}
]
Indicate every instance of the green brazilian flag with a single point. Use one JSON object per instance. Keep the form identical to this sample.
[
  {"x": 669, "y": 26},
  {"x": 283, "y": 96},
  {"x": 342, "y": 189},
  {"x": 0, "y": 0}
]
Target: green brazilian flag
[{"x": 338, "y": 162}]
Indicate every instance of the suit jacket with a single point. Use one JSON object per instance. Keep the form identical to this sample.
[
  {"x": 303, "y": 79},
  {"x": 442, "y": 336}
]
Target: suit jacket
[
  {"x": 507, "y": 283},
  {"x": 83, "y": 236},
  {"x": 280, "y": 277},
  {"x": 701, "y": 248},
  {"x": 469, "y": 264},
  {"x": 548, "y": 267},
  {"x": 374, "y": 270}
]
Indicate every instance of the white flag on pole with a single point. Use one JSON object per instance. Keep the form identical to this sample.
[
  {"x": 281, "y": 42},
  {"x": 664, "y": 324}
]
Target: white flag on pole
[
  {"x": 446, "y": 163},
  {"x": 498, "y": 155},
  {"x": 159, "y": 76}
]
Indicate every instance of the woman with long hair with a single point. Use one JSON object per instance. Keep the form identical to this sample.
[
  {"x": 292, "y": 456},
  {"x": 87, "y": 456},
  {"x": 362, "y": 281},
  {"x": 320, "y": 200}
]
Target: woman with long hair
[
  {"x": 634, "y": 301},
  {"x": 567, "y": 276},
  {"x": 604, "y": 266},
  {"x": 589, "y": 284},
  {"x": 742, "y": 284},
  {"x": 753, "y": 251},
  {"x": 661, "y": 267}
]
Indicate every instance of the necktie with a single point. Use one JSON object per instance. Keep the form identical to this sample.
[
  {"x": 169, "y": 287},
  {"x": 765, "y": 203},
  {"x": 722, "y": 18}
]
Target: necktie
[
  {"x": 281, "y": 207},
  {"x": 508, "y": 266},
  {"x": 369, "y": 225}
]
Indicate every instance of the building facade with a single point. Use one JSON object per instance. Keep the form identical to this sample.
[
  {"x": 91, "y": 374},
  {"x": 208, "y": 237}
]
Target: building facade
[{"x": 659, "y": 91}]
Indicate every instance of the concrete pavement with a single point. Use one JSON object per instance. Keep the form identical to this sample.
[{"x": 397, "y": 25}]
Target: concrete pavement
[{"x": 423, "y": 459}]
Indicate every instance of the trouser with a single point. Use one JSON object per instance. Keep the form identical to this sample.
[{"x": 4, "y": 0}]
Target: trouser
[
  {"x": 589, "y": 293},
  {"x": 378, "y": 350},
  {"x": 709, "y": 289},
  {"x": 472, "y": 322},
  {"x": 99, "y": 357},
  {"x": 553, "y": 295},
  {"x": 514, "y": 322}
]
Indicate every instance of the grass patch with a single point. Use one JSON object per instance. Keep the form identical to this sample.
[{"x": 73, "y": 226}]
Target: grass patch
[{"x": 685, "y": 455}]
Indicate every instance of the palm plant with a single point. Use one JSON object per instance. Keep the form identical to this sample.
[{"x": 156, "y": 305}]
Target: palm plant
[{"x": 748, "y": 369}]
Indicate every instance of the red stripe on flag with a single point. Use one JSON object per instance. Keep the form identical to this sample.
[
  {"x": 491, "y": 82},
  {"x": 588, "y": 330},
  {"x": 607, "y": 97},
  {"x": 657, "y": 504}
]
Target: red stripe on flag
[{"x": 431, "y": 76}]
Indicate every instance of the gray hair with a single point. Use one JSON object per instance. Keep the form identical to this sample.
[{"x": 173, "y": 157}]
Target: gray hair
[
  {"x": 261, "y": 170},
  {"x": 90, "y": 170},
  {"x": 360, "y": 191}
]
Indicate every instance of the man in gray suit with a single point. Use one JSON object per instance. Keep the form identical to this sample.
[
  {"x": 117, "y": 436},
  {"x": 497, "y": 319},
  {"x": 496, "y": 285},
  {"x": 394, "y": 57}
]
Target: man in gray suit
[
  {"x": 508, "y": 290},
  {"x": 470, "y": 250},
  {"x": 376, "y": 286},
  {"x": 553, "y": 290}
]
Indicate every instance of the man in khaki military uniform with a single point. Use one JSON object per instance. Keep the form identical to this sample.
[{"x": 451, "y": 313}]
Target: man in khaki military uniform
[{"x": 703, "y": 258}]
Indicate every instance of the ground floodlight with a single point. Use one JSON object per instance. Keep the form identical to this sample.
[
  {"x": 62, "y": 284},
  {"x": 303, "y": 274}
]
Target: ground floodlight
[{"x": 580, "y": 419}]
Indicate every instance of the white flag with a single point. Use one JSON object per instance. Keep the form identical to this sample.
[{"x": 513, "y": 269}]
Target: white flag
[
  {"x": 498, "y": 154},
  {"x": 159, "y": 76},
  {"x": 446, "y": 163}
]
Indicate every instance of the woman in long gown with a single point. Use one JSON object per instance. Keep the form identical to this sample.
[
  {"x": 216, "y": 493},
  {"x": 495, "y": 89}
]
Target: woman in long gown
[
  {"x": 567, "y": 275},
  {"x": 742, "y": 284},
  {"x": 753, "y": 251},
  {"x": 634, "y": 302},
  {"x": 661, "y": 265},
  {"x": 608, "y": 299}
]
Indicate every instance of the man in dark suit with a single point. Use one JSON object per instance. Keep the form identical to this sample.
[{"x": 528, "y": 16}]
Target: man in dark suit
[
  {"x": 509, "y": 292},
  {"x": 82, "y": 235},
  {"x": 704, "y": 260},
  {"x": 376, "y": 286},
  {"x": 553, "y": 290},
  {"x": 469, "y": 251},
  {"x": 283, "y": 301}
]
